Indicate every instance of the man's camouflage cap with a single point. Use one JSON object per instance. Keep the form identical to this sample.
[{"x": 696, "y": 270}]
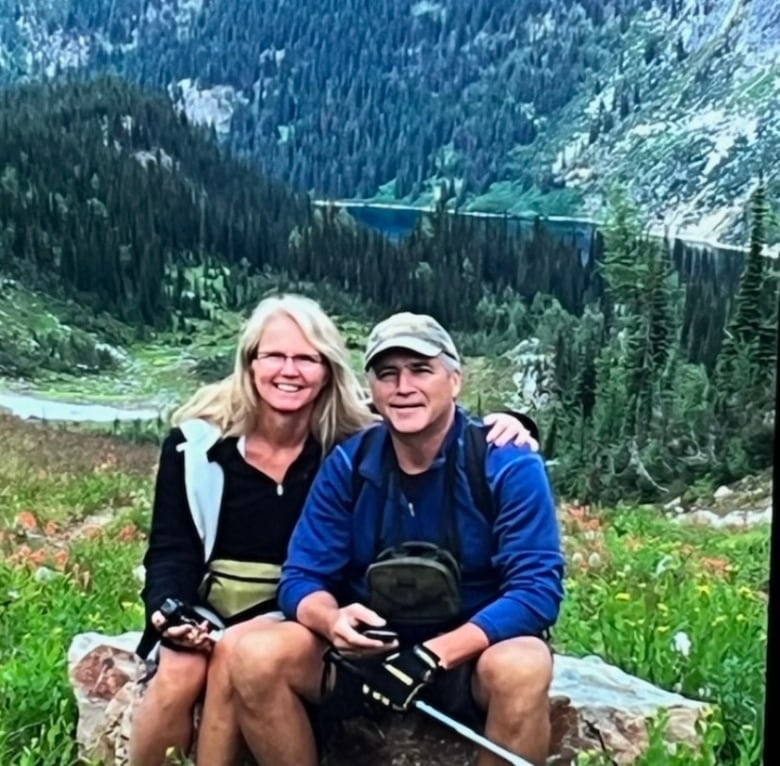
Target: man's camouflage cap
[{"x": 419, "y": 333}]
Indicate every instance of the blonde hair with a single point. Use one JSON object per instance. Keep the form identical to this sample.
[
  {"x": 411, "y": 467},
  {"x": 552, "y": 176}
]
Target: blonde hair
[{"x": 232, "y": 403}]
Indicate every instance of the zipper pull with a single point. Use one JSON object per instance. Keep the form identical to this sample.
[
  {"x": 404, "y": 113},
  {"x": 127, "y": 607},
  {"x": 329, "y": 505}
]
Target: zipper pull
[{"x": 279, "y": 490}]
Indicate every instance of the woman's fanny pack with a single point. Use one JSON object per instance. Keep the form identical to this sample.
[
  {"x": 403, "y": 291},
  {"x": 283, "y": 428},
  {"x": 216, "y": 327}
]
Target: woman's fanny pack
[
  {"x": 232, "y": 587},
  {"x": 416, "y": 583}
]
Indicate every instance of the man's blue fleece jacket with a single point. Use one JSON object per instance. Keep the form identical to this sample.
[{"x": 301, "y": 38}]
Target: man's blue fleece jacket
[{"x": 511, "y": 575}]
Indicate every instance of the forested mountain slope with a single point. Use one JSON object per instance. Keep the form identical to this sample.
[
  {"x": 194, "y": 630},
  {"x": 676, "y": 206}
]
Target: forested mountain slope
[
  {"x": 107, "y": 194},
  {"x": 524, "y": 104},
  {"x": 115, "y": 204}
]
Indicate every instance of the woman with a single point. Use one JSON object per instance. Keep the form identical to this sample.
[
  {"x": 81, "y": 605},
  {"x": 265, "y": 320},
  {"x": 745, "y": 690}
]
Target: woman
[{"x": 232, "y": 479}]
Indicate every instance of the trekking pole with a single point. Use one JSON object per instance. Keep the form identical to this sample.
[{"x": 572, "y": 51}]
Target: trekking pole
[
  {"x": 450, "y": 723},
  {"x": 469, "y": 733}
]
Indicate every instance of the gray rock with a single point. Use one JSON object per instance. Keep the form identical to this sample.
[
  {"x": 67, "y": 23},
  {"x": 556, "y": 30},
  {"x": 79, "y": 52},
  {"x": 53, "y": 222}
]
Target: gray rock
[
  {"x": 737, "y": 519},
  {"x": 591, "y": 702},
  {"x": 723, "y": 492}
]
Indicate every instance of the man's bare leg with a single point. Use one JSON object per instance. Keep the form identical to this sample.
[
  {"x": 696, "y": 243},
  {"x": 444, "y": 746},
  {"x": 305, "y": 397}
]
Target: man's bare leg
[
  {"x": 219, "y": 738},
  {"x": 512, "y": 681},
  {"x": 272, "y": 671},
  {"x": 164, "y": 716}
]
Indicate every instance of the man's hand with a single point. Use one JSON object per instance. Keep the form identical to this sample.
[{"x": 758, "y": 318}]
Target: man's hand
[
  {"x": 346, "y": 636},
  {"x": 397, "y": 681}
]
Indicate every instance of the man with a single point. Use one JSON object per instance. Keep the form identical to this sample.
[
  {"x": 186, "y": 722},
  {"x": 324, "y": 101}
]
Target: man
[{"x": 391, "y": 537}]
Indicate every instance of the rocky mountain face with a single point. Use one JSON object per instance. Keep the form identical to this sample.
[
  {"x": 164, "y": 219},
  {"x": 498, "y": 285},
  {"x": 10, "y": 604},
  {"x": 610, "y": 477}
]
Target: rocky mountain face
[
  {"x": 539, "y": 105},
  {"x": 706, "y": 120}
]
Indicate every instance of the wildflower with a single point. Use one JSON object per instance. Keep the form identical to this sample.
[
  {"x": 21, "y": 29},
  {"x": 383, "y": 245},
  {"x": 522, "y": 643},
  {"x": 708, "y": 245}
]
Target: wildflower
[
  {"x": 27, "y": 520},
  {"x": 577, "y": 559},
  {"x": 663, "y": 565},
  {"x": 594, "y": 560},
  {"x": 663, "y": 629},
  {"x": 61, "y": 559},
  {"x": 622, "y": 597},
  {"x": 704, "y": 589},
  {"x": 745, "y": 592},
  {"x": 44, "y": 575},
  {"x": 717, "y": 565},
  {"x": 682, "y": 643},
  {"x": 662, "y": 608},
  {"x": 127, "y": 533}
]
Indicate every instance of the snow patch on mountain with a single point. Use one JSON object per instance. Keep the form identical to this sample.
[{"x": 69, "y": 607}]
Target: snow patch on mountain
[
  {"x": 50, "y": 50},
  {"x": 207, "y": 106}
]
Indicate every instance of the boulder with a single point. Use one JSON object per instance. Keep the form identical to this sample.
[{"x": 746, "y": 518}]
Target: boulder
[
  {"x": 594, "y": 706},
  {"x": 103, "y": 672}
]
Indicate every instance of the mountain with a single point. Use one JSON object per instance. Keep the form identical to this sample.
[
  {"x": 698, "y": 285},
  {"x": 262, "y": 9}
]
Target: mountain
[
  {"x": 119, "y": 220},
  {"x": 534, "y": 105},
  {"x": 108, "y": 195}
]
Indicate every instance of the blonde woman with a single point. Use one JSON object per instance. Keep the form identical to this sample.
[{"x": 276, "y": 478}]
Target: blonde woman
[{"x": 233, "y": 476}]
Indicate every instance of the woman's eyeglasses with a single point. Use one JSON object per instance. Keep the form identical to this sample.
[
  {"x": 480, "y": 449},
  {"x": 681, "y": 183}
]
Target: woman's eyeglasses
[{"x": 274, "y": 360}]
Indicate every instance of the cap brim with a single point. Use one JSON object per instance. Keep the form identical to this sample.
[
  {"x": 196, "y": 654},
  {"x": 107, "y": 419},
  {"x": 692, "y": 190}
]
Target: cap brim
[{"x": 405, "y": 342}]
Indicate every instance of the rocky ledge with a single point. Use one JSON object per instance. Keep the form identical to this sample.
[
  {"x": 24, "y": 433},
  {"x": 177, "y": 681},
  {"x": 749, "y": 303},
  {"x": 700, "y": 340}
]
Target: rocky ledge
[{"x": 594, "y": 707}]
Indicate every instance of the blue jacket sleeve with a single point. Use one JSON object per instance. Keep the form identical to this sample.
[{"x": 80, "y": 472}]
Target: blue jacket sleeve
[
  {"x": 320, "y": 546},
  {"x": 528, "y": 555}
]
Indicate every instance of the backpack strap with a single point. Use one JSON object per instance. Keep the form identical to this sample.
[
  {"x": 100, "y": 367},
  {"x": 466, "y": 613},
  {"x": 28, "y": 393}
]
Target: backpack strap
[
  {"x": 476, "y": 447},
  {"x": 369, "y": 440},
  {"x": 475, "y": 440}
]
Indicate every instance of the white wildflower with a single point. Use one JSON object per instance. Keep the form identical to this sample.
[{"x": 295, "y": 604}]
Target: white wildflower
[
  {"x": 682, "y": 643},
  {"x": 594, "y": 560},
  {"x": 663, "y": 565}
]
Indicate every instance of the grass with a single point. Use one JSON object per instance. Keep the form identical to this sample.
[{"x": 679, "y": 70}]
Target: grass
[
  {"x": 684, "y": 608},
  {"x": 61, "y": 575},
  {"x": 162, "y": 371}
]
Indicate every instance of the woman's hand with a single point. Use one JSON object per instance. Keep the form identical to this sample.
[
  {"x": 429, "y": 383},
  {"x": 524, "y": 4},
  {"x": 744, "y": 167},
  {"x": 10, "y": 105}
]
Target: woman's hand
[
  {"x": 507, "y": 428},
  {"x": 188, "y": 636}
]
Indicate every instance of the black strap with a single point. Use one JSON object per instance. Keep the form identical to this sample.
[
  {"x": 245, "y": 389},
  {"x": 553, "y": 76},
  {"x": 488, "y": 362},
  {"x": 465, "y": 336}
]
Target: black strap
[{"x": 475, "y": 443}]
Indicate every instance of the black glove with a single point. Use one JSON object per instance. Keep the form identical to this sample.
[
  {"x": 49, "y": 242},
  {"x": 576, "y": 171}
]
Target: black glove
[{"x": 396, "y": 681}]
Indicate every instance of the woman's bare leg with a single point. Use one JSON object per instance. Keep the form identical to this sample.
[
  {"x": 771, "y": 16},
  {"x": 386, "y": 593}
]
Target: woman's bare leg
[
  {"x": 163, "y": 719},
  {"x": 219, "y": 738}
]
